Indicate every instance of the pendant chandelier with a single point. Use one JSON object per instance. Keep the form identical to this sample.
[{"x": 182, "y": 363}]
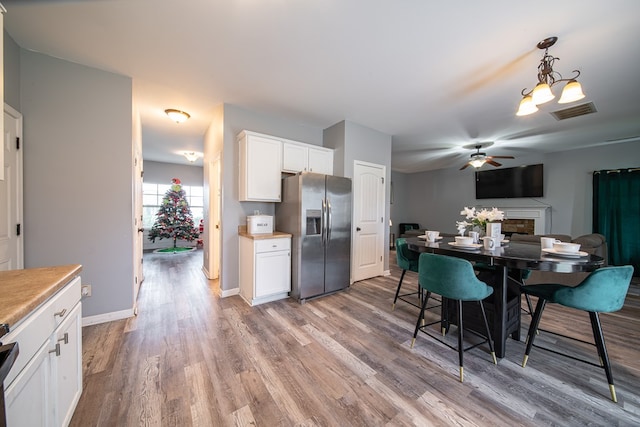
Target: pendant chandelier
[{"x": 547, "y": 78}]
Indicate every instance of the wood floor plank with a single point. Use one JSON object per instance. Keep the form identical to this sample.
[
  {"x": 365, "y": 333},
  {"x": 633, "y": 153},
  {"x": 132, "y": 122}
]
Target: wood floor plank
[{"x": 191, "y": 358}]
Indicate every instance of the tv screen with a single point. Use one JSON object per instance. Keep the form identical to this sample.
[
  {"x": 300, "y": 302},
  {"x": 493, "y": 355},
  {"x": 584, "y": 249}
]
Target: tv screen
[{"x": 521, "y": 181}]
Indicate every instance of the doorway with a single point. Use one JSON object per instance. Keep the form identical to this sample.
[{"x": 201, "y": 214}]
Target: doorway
[{"x": 368, "y": 231}]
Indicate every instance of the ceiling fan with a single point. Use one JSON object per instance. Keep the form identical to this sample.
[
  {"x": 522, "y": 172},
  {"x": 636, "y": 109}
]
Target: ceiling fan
[{"x": 478, "y": 159}]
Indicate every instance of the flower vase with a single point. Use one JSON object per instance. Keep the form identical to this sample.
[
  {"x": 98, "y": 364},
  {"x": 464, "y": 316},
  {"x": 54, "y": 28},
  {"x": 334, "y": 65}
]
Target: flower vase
[{"x": 494, "y": 229}]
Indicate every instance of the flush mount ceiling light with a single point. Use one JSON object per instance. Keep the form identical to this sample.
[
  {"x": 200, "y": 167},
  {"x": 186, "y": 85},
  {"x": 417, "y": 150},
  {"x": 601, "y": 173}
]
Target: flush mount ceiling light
[
  {"x": 192, "y": 156},
  {"x": 177, "y": 116},
  {"x": 547, "y": 78}
]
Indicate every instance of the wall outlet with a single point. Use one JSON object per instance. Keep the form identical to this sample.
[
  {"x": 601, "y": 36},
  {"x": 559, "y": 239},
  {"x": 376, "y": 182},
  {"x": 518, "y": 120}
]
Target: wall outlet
[{"x": 85, "y": 290}]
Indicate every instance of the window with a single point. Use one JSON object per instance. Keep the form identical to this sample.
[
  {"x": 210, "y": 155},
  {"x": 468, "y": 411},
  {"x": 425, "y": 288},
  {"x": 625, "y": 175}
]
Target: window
[{"x": 152, "y": 195}]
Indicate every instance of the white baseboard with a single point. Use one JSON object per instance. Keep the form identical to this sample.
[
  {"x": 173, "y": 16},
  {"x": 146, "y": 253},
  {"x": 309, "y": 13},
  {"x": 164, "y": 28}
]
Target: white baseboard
[
  {"x": 388, "y": 272},
  {"x": 229, "y": 292},
  {"x": 107, "y": 317}
]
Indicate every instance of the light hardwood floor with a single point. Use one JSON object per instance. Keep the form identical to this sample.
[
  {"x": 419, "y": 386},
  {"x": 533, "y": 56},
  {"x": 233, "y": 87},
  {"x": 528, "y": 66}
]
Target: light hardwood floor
[{"x": 191, "y": 358}]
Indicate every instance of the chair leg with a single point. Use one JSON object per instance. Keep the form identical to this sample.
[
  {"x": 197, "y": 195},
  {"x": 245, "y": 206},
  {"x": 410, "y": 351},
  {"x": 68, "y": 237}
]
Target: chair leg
[
  {"x": 420, "y": 317},
  {"x": 533, "y": 327},
  {"x": 602, "y": 351},
  {"x": 486, "y": 327},
  {"x": 460, "y": 339},
  {"x": 529, "y": 305},
  {"x": 398, "y": 290}
]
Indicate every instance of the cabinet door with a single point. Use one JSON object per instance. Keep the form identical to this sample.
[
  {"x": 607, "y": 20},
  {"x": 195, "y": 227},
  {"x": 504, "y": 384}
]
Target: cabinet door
[
  {"x": 260, "y": 165},
  {"x": 321, "y": 161},
  {"x": 67, "y": 366},
  {"x": 273, "y": 273},
  {"x": 294, "y": 157},
  {"x": 28, "y": 398}
]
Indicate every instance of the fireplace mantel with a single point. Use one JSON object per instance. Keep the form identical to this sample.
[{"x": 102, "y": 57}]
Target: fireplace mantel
[{"x": 541, "y": 216}]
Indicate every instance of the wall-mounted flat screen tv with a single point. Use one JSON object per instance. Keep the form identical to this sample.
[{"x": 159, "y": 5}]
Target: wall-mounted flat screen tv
[{"x": 521, "y": 181}]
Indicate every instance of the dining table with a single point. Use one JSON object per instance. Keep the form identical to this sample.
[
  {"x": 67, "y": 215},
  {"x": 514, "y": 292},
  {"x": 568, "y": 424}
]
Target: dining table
[{"x": 504, "y": 265}]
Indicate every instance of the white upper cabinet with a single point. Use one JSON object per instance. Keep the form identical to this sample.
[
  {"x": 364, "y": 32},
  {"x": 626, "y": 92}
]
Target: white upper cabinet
[
  {"x": 299, "y": 157},
  {"x": 260, "y": 165}
]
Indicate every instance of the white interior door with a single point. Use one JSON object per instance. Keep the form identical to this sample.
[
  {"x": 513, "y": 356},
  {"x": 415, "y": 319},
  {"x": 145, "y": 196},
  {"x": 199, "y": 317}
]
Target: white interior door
[
  {"x": 368, "y": 220},
  {"x": 11, "y": 233}
]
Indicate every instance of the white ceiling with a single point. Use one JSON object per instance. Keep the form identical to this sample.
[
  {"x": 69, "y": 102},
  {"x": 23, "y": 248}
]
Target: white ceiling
[{"x": 435, "y": 75}]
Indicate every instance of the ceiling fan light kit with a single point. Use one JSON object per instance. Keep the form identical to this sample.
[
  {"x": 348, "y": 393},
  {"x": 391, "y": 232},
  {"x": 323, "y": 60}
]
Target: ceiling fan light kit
[
  {"x": 547, "y": 78},
  {"x": 478, "y": 159}
]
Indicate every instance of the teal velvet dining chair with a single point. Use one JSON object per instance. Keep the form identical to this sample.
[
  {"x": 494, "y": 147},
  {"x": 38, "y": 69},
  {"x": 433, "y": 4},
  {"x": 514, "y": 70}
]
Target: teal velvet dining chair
[
  {"x": 603, "y": 291},
  {"x": 455, "y": 279},
  {"x": 408, "y": 261}
]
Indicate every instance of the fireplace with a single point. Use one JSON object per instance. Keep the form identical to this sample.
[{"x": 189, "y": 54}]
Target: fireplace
[{"x": 526, "y": 220}]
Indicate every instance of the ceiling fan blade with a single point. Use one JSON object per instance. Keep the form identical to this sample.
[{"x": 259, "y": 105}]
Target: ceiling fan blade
[
  {"x": 500, "y": 157},
  {"x": 492, "y": 163},
  {"x": 465, "y": 166}
]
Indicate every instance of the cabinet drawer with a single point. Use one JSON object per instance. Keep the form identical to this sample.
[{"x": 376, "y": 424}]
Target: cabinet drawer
[
  {"x": 269, "y": 245},
  {"x": 31, "y": 332}
]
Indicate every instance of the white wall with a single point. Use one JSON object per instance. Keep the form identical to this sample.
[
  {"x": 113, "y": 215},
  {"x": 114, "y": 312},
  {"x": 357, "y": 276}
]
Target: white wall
[
  {"x": 78, "y": 188},
  {"x": 434, "y": 199}
]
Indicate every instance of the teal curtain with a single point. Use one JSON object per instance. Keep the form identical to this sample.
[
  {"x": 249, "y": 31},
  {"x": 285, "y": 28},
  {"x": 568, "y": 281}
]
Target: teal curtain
[{"x": 616, "y": 214}]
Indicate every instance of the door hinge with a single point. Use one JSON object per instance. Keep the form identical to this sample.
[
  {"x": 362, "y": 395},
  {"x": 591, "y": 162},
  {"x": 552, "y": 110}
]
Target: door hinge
[
  {"x": 382, "y": 178},
  {"x": 18, "y": 230},
  {"x": 141, "y": 174},
  {"x": 17, "y": 142}
]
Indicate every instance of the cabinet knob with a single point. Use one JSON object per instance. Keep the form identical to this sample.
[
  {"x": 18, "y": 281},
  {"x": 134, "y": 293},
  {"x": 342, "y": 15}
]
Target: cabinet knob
[{"x": 60, "y": 313}]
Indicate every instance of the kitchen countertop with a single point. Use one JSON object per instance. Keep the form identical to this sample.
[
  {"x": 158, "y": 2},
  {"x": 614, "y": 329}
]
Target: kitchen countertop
[
  {"x": 22, "y": 291},
  {"x": 242, "y": 231}
]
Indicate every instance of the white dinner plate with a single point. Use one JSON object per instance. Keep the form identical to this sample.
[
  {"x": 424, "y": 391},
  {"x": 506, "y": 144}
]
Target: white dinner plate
[
  {"x": 424, "y": 236},
  {"x": 471, "y": 246},
  {"x": 552, "y": 251}
]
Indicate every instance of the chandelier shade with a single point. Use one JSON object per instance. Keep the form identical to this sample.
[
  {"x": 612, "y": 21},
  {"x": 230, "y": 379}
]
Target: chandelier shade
[
  {"x": 572, "y": 92},
  {"x": 547, "y": 78}
]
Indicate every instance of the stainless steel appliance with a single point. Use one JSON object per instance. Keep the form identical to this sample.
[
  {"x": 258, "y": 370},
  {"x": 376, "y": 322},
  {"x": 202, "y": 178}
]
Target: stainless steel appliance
[{"x": 316, "y": 210}]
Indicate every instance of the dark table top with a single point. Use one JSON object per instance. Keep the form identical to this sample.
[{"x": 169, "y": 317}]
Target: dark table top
[{"x": 512, "y": 255}]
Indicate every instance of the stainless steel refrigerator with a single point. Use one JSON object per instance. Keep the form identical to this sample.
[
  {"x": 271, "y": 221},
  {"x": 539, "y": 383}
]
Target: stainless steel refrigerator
[{"x": 316, "y": 210}]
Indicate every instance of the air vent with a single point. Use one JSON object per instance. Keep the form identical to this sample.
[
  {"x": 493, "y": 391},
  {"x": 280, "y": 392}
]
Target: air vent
[{"x": 578, "y": 110}]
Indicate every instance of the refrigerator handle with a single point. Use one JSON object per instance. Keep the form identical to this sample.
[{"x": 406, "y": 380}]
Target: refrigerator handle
[
  {"x": 329, "y": 221},
  {"x": 323, "y": 219}
]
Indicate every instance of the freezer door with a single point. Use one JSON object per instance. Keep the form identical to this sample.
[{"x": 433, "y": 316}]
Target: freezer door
[
  {"x": 337, "y": 270},
  {"x": 311, "y": 272}
]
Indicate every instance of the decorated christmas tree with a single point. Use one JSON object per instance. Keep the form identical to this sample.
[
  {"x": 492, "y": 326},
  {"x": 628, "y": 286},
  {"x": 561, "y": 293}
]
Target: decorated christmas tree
[{"x": 174, "y": 219}]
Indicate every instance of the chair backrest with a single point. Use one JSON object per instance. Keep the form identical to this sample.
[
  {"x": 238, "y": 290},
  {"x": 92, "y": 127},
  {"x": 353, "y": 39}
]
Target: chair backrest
[
  {"x": 603, "y": 291},
  {"x": 406, "y": 258},
  {"x": 451, "y": 277},
  {"x": 404, "y": 226}
]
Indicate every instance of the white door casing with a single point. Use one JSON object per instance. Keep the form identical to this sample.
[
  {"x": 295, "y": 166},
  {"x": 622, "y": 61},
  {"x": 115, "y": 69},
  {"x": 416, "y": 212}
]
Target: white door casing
[
  {"x": 138, "y": 229},
  {"x": 11, "y": 209},
  {"x": 368, "y": 220},
  {"x": 216, "y": 209}
]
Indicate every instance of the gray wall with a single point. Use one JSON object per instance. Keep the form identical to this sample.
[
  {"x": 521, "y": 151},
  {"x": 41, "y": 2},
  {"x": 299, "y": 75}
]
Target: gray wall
[
  {"x": 434, "y": 199},
  {"x": 163, "y": 173},
  {"x": 78, "y": 200}
]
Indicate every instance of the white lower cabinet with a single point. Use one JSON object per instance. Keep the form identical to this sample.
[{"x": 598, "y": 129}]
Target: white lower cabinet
[
  {"x": 265, "y": 269},
  {"x": 45, "y": 383}
]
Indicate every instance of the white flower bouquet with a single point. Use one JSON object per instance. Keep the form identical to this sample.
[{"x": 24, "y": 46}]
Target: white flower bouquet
[{"x": 478, "y": 218}]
